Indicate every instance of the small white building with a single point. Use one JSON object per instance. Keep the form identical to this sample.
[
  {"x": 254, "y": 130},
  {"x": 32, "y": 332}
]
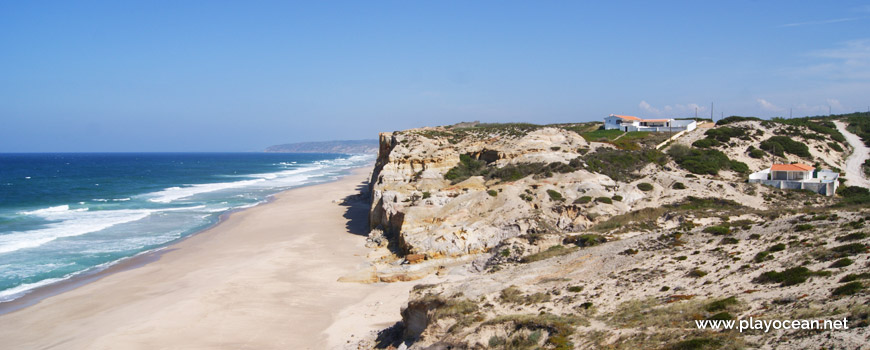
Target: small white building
[
  {"x": 630, "y": 123},
  {"x": 798, "y": 176}
]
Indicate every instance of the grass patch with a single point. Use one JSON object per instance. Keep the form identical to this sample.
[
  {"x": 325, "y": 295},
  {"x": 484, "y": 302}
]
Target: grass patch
[
  {"x": 585, "y": 240},
  {"x": 601, "y": 135},
  {"x": 558, "y": 327},
  {"x": 554, "y": 251},
  {"x": 717, "y": 230},
  {"x": 721, "y": 304},
  {"x": 513, "y": 295},
  {"x": 555, "y": 195}
]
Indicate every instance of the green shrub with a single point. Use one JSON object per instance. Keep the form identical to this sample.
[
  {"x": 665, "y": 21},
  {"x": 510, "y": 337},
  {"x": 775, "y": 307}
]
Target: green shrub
[
  {"x": 718, "y": 230},
  {"x": 739, "y": 167},
  {"x": 583, "y": 200},
  {"x": 756, "y": 153},
  {"x": 426, "y": 195},
  {"x": 842, "y": 263},
  {"x": 575, "y": 289},
  {"x": 622, "y": 165},
  {"x": 779, "y": 145},
  {"x": 734, "y": 119},
  {"x": 854, "y": 195},
  {"x": 835, "y": 146},
  {"x": 493, "y": 193},
  {"x": 706, "y": 143},
  {"x": 849, "y": 249},
  {"x": 789, "y": 277},
  {"x": 555, "y": 195},
  {"x": 724, "y": 134},
  {"x": 645, "y": 186},
  {"x": 852, "y": 237},
  {"x": 700, "y": 161},
  {"x": 762, "y": 257},
  {"x": 777, "y": 247},
  {"x": 848, "y": 289},
  {"x": 617, "y": 198},
  {"x": 729, "y": 240},
  {"x": 605, "y": 200},
  {"x": 697, "y": 273},
  {"x": 466, "y": 168},
  {"x": 803, "y": 227},
  {"x": 721, "y": 304},
  {"x": 854, "y": 277},
  {"x": 679, "y": 186}
]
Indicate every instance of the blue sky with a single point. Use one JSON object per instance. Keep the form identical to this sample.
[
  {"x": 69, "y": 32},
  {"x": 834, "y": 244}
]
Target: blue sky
[{"x": 240, "y": 76}]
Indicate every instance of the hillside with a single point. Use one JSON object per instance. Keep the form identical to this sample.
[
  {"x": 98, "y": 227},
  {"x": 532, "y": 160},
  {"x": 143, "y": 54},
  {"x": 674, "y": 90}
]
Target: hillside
[
  {"x": 567, "y": 236},
  {"x": 344, "y": 147}
]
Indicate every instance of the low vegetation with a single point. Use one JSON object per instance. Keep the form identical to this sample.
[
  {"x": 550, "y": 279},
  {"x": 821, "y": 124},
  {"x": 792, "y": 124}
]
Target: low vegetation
[
  {"x": 779, "y": 145},
  {"x": 790, "y": 276},
  {"x": 622, "y": 165},
  {"x": 704, "y": 161}
]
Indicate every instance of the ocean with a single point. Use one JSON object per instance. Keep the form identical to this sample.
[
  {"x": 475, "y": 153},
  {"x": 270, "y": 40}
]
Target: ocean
[{"x": 65, "y": 214}]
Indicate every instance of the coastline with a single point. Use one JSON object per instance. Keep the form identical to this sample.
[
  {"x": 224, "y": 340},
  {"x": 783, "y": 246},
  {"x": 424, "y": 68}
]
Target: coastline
[{"x": 263, "y": 277}]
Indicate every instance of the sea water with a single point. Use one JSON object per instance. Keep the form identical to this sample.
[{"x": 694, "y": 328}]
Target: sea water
[{"x": 65, "y": 214}]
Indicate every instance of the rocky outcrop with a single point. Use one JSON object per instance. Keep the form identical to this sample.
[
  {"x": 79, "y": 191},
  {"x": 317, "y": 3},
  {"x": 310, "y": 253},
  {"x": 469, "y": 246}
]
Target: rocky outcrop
[{"x": 414, "y": 205}]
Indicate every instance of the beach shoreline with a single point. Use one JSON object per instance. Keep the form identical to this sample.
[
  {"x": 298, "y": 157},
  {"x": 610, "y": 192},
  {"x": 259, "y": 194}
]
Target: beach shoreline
[{"x": 263, "y": 277}]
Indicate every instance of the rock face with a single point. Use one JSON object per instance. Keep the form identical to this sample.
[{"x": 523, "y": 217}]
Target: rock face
[{"x": 416, "y": 206}]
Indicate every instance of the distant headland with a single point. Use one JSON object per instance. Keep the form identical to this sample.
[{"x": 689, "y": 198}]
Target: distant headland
[{"x": 340, "y": 146}]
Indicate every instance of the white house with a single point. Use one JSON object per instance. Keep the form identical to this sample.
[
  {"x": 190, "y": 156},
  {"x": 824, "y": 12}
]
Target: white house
[
  {"x": 629, "y": 123},
  {"x": 798, "y": 176}
]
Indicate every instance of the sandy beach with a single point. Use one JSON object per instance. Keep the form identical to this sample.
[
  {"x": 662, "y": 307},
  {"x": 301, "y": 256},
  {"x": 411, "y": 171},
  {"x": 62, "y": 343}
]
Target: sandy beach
[{"x": 264, "y": 278}]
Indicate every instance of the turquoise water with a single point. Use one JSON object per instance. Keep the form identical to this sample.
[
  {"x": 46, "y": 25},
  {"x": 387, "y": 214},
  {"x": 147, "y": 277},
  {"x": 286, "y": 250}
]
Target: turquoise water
[{"x": 65, "y": 214}]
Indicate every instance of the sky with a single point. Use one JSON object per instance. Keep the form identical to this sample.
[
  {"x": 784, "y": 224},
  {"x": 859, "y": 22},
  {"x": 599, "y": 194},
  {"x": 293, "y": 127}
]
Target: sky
[{"x": 189, "y": 76}]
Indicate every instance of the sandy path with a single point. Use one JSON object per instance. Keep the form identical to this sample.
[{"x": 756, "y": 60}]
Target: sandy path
[
  {"x": 854, "y": 172},
  {"x": 266, "y": 278}
]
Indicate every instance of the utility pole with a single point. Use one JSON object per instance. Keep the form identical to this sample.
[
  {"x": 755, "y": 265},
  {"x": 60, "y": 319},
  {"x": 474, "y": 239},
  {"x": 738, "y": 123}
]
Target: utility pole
[
  {"x": 829, "y": 109},
  {"x": 696, "y": 111},
  {"x": 711, "y": 111},
  {"x": 789, "y": 113}
]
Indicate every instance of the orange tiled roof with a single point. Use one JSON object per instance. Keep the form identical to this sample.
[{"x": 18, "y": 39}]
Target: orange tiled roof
[
  {"x": 628, "y": 117},
  {"x": 791, "y": 167}
]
